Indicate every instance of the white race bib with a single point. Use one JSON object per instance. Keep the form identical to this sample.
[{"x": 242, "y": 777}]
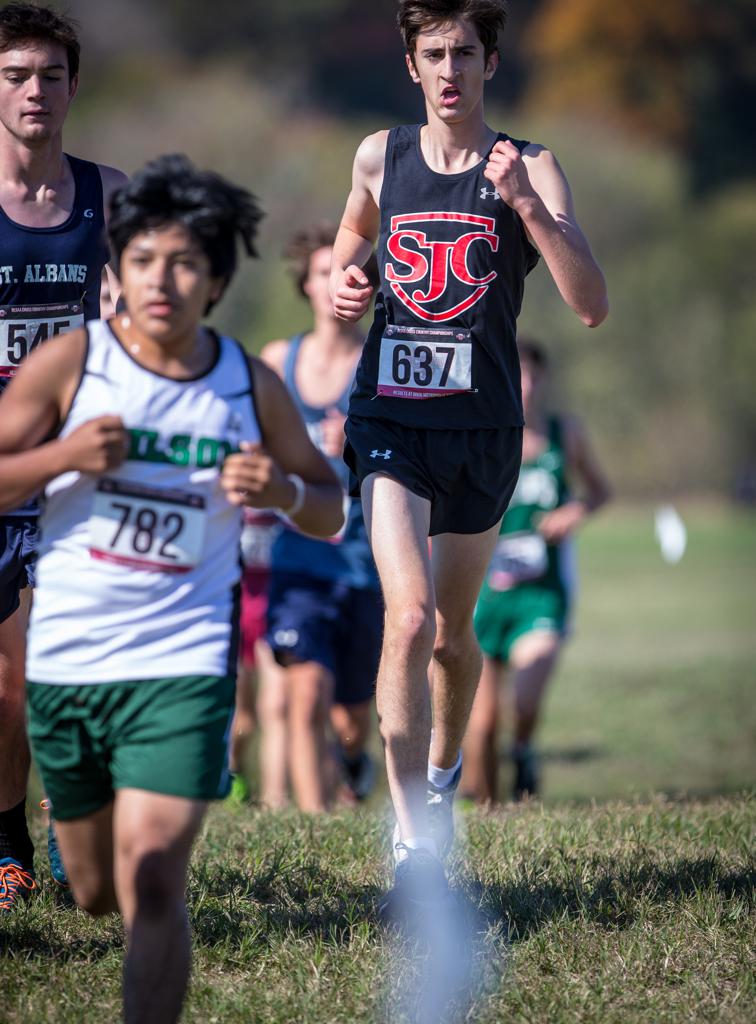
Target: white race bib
[
  {"x": 518, "y": 557},
  {"x": 22, "y": 328},
  {"x": 424, "y": 362},
  {"x": 153, "y": 528}
]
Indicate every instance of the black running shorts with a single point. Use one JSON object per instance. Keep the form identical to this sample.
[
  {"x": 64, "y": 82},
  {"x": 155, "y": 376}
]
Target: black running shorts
[
  {"x": 467, "y": 475},
  {"x": 18, "y": 540}
]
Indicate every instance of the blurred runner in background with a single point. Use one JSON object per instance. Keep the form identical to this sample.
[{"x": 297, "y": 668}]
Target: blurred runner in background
[
  {"x": 523, "y": 612},
  {"x": 259, "y": 684},
  {"x": 325, "y": 611}
]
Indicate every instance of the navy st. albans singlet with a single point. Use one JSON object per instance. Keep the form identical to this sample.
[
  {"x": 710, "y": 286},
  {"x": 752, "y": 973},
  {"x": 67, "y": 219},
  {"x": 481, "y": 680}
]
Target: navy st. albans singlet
[
  {"x": 453, "y": 257},
  {"x": 50, "y": 277}
]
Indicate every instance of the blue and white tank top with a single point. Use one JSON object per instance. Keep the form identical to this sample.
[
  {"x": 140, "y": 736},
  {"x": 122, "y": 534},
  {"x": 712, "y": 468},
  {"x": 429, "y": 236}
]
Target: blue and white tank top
[
  {"x": 138, "y": 568},
  {"x": 346, "y": 557}
]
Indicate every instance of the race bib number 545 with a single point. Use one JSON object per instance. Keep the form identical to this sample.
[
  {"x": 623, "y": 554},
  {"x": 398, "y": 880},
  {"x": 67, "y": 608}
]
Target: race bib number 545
[
  {"x": 424, "y": 362},
  {"x": 151, "y": 528},
  {"x": 22, "y": 328}
]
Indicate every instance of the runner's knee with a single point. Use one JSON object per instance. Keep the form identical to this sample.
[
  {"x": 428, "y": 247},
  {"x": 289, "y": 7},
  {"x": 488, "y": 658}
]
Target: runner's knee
[
  {"x": 412, "y": 629},
  {"x": 451, "y": 648},
  {"x": 271, "y": 704},
  {"x": 96, "y": 896},
  {"x": 309, "y": 702},
  {"x": 155, "y": 884}
]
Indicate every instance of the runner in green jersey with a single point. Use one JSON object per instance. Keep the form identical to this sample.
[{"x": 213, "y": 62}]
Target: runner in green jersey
[{"x": 522, "y": 614}]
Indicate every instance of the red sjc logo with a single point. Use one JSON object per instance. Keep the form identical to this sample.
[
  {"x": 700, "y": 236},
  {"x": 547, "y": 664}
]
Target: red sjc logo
[{"x": 435, "y": 260}]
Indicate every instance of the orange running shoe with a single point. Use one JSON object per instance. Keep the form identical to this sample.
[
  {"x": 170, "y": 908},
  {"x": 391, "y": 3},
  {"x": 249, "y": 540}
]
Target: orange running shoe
[{"x": 15, "y": 883}]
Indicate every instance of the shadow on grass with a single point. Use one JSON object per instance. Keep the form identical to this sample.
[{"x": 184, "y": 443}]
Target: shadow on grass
[
  {"x": 573, "y": 755},
  {"x": 612, "y": 898},
  {"x": 26, "y": 940},
  {"x": 276, "y": 899}
]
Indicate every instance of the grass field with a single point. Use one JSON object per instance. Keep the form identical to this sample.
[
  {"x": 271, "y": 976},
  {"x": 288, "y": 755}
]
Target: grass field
[
  {"x": 656, "y": 691},
  {"x": 606, "y": 904}
]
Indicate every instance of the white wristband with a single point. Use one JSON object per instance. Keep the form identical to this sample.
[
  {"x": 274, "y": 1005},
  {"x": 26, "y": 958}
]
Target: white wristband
[{"x": 299, "y": 497}]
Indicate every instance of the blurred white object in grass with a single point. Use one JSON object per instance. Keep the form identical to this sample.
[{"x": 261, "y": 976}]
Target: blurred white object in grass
[{"x": 671, "y": 533}]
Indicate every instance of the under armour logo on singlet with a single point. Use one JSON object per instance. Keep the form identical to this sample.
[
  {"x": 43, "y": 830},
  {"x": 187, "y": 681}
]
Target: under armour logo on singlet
[
  {"x": 375, "y": 454},
  {"x": 484, "y": 193}
]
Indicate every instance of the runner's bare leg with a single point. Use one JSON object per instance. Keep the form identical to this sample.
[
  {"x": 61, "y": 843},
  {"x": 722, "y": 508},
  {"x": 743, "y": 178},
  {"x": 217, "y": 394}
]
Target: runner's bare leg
[
  {"x": 459, "y": 566},
  {"x": 397, "y": 523}
]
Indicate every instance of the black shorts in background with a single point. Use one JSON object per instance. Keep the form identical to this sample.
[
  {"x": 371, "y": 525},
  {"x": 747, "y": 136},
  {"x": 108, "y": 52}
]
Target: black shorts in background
[
  {"x": 338, "y": 626},
  {"x": 467, "y": 475},
  {"x": 18, "y": 540}
]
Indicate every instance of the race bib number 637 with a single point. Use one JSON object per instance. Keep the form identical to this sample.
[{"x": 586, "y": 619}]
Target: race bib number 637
[{"x": 424, "y": 362}]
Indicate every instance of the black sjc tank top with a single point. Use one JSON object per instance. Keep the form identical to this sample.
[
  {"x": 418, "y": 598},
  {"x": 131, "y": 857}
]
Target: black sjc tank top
[{"x": 452, "y": 258}]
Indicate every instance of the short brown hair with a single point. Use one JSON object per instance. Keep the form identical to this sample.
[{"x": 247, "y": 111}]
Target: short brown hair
[
  {"x": 302, "y": 245},
  {"x": 488, "y": 17},
  {"x": 21, "y": 24},
  {"x": 532, "y": 351}
]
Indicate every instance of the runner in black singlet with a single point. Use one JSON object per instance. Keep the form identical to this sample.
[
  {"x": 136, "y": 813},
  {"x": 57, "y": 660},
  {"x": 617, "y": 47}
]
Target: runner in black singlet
[
  {"x": 434, "y": 431},
  {"x": 53, "y": 253}
]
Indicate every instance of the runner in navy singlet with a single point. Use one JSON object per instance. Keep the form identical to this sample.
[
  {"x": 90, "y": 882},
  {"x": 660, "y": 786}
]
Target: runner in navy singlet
[
  {"x": 434, "y": 433},
  {"x": 53, "y": 253}
]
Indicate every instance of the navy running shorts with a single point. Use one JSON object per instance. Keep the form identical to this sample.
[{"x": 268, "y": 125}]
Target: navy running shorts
[
  {"x": 468, "y": 476},
  {"x": 18, "y": 543},
  {"x": 337, "y": 626}
]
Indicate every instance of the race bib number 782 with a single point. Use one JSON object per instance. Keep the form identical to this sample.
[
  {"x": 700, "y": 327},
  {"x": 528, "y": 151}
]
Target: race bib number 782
[
  {"x": 424, "y": 362},
  {"x": 157, "y": 529}
]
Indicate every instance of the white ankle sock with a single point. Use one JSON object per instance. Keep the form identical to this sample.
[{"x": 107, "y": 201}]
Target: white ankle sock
[
  {"x": 442, "y": 777},
  {"x": 415, "y": 843}
]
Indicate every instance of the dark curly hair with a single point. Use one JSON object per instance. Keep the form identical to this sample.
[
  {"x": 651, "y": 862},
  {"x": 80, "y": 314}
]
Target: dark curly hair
[
  {"x": 171, "y": 190},
  {"x": 21, "y": 24}
]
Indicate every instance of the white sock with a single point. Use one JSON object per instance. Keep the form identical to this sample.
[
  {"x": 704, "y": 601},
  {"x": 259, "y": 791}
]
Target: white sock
[
  {"x": 442, "y": 777},
  {"x": 415, "y": 843}
]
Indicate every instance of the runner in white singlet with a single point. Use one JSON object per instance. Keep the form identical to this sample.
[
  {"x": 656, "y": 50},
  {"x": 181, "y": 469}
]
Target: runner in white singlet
[{"x": 147, "y": 434}]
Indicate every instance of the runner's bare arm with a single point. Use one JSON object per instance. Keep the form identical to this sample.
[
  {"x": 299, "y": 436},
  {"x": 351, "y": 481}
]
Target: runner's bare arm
[
  {"x": 593, "y": 484},
  {"x": 112, "y": 179},
  {"x": 583, "y": 462},
  {"x": 31, "y": 409},
  {"x": 535, "y": 187},
  {"x": 257, "y": 476},
  {"x": 350, "y": 289}
]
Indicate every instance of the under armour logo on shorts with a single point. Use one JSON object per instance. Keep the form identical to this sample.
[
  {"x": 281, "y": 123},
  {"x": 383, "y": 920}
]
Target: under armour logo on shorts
[
  {"x": 375, "y": 454},
  {"x": 484, "y": 193},
  {"x": 286, "y": 637}
]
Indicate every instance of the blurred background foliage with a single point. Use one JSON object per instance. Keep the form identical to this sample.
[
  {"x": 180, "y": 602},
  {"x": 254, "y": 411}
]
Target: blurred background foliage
[{"x": 648, "y": 106}]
